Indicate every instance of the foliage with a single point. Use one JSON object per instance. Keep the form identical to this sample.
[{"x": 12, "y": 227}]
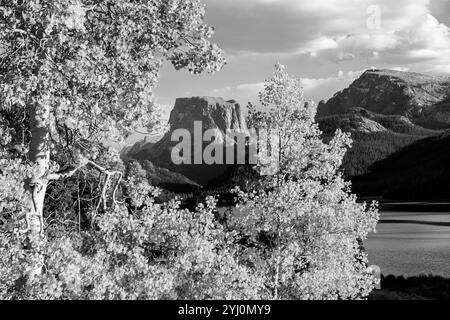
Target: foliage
[
  {"x": 297, "y": 238},
  {"x": 95, "y": 63},
  {"x": 80, "y": 73},
  {"x": 303, "y": 228},
  {"x": 12, "y": 173},
  {"x": 147, "y": 251},
  {"x": 83, "y": 71}
]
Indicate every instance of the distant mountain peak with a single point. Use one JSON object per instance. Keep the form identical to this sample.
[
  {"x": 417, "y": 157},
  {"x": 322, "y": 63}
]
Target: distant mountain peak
[
  {"x": 423, "y": 99},
  {"x": 214, "y": 113}
]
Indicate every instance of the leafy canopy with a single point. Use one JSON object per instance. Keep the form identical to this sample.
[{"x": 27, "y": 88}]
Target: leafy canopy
[
  {"x": 95, "y": 63},
  {"x": 304, "y": 224}
]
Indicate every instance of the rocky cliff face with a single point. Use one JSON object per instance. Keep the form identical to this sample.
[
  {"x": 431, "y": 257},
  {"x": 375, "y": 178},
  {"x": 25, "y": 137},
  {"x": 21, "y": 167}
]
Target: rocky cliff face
[
  {"x": 425, "y": 100},
  {"x": 214, "y": 113}
]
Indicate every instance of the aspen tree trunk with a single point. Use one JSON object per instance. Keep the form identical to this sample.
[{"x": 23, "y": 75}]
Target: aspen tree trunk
[
  {"x": 277, "y": 276},
  {"x": 39, "y": 155}
]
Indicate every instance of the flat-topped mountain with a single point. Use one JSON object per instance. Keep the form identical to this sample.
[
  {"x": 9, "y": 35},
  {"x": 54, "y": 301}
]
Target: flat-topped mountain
[
  {"x": 423, "y": 99},
  {"x": 213, "y": 113}
]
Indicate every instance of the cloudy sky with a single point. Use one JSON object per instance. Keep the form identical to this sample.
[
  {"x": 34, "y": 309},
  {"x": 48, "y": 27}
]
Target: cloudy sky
[{"x": 327, "y": 43}]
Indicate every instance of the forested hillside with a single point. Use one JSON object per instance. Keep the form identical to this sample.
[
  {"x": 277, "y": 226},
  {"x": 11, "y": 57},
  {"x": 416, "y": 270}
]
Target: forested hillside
[
  {"x": 418, "y": 171},
  {"x": 375, "y": 137}
]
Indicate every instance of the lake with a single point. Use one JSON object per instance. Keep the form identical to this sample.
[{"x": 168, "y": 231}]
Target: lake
[{"x": 411, "y": 243}]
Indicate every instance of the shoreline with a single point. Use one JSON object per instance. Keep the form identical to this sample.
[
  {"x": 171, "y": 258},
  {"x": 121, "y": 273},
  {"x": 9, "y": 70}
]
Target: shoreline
[{"x": 409, "y": 205}]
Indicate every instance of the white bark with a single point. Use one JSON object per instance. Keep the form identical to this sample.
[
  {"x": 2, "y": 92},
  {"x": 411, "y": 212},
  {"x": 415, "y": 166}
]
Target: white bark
[{"x": 39, "y": 155}]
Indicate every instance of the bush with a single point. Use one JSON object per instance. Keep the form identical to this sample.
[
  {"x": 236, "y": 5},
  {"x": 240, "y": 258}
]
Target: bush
[{"x": 155, "y": 252}]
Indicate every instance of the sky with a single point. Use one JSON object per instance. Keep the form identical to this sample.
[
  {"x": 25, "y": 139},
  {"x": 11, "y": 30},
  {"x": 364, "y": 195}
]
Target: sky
[{"x": 326, "y": 43}]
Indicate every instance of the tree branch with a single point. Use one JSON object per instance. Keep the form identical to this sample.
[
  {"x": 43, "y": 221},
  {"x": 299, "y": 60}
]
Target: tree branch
[{"x": 103, "y": 171}]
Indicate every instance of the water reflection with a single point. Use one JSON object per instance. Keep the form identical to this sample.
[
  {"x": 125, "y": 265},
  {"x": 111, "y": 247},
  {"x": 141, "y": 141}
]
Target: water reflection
[{"x": 411, "y": 243}]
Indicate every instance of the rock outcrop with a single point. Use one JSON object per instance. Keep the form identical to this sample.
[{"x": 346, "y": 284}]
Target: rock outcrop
[
  {"x": 214, "y": 113},
  {"x": 423, "y": 99}
]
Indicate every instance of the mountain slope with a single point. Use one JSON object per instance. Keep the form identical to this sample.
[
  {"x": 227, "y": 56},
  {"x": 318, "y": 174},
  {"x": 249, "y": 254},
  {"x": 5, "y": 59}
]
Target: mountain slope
[
  {"x": 375, "y": 136},
  {"x": 362, "y": 120},
  {"x": 162, "y": 177},
  {"x": 419, "y": 171},
  {"x": 423, "y": 99},
  {"x": 386, "y": 111}
]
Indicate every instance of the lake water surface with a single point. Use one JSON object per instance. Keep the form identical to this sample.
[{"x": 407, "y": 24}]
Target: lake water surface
[{"x": 411, "y": 243}]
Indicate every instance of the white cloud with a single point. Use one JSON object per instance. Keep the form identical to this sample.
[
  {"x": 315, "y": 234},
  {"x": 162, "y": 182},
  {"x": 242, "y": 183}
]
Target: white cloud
[
  {"x": 324, "y": 88},
  {"x": 333, "y": 31},
  {"x": 321, "y": 43},
  {"x": 243, "y": 93},
  {"x": 316, "y": 39},
  {"x": 423, "y": 40},
  {"x": 315, "y": 88},
  {"x": 404, "y": 69}
]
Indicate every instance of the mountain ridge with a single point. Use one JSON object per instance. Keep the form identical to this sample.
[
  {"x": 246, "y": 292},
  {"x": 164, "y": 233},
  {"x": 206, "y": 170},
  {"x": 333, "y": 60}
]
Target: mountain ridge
[{"x": 423, "y": 99}]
